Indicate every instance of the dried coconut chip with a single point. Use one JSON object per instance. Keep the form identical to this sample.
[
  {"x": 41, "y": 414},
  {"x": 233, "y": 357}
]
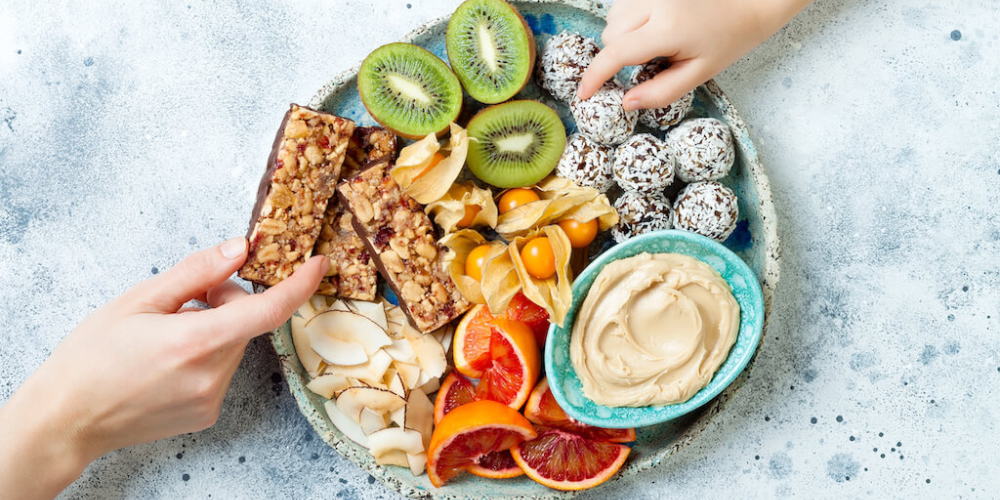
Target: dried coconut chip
[
  {"x": 428, "y": 184},
  {"x": 450, "y": 208},
  {"x": 559, "y": 199},
  {"x": 460, "y": 244}
]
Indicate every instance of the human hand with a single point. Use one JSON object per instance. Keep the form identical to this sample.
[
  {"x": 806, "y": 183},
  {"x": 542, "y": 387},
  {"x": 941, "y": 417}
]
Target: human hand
[
  {"x": 141, "y": 368},
  {"x": 699, "y": 38}
]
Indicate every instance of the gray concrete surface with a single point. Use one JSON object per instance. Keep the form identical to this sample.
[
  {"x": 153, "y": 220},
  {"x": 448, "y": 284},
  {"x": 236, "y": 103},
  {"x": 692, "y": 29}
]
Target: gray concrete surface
[{"x": 132, "y": 134}]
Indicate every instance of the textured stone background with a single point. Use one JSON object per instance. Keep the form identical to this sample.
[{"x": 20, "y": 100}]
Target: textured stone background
[{"x": 132, "y": 134}]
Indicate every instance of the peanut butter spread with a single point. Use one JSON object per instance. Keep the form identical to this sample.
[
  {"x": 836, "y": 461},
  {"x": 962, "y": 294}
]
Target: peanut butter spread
[{"x": 653, "y": 330}]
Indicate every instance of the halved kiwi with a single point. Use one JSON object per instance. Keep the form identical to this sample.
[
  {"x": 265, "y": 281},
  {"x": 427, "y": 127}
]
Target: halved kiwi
[
  {"x": 409, "y": 90},
  {"x": 515, "y": 144},
  {"x": 491, "y": 49}
]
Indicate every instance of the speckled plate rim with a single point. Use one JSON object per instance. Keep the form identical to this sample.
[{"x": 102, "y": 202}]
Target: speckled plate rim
[
  {"x": 563, "y": 378},
  {"x": 769, "y": 282}
]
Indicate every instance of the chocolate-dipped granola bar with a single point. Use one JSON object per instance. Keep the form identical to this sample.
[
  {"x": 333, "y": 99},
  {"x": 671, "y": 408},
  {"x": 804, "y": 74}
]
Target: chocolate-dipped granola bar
[
  {"x": 400, "y": 237},
  {"x": 352, "y": 273},
  {"x": 301, "y": 173}
]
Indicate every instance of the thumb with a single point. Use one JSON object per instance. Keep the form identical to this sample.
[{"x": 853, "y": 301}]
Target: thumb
[
  {"x": 249, "y": 316},
  {"x": 667, "y": 87},
  {"x": 190, "y": 278}
]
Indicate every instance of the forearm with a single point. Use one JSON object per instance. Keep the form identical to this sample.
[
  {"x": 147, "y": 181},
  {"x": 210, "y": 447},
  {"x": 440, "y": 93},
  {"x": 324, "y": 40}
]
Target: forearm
[{"x": 39, "y": 454}]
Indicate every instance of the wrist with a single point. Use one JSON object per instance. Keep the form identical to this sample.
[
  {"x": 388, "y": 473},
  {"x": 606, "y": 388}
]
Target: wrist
[
  {"x": 43, "y": 451},
  {"x": 771, "y": 15}
]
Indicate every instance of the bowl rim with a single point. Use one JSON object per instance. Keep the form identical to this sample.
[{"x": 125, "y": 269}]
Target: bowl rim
[
  {"x": 652, "y": 415},
  {"x": 637, "y": 464}
]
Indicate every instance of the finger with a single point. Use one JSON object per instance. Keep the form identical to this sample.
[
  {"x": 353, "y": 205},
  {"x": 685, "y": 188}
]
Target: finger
[
  {"x": 190, "y": 278},
  {"x": 668, "y": 86},
  {"x": 247, "y": 317},
  {"x": 630, "y": 20},
  {"x": 630, "y": 48},
  {"x": 224, "y": 293}
]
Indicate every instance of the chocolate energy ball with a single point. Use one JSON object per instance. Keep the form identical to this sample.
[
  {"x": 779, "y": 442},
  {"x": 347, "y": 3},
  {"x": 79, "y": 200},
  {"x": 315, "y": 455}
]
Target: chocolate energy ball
[
  {"x": 640, "y": 213},
  {"x": 564, "y": 58},
  {"x": 665, "y": 117},
  {"x": 703, "y": 148},
  {"x": 643, "y": 163},
  {"x": 586, "y": 163},
  {"x": 602, "y": 117},
  {"x": 707, "y": 208}
]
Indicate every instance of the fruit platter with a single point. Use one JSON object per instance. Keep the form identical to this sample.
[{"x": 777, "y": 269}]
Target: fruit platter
[{"x": 458, "y": 185}]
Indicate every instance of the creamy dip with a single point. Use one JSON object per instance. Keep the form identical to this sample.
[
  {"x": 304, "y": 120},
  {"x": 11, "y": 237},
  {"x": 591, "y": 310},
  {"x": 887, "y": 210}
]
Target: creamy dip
[{"x": 653, "y": 330}]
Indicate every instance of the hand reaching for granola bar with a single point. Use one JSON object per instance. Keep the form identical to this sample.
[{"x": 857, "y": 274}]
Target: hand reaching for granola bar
[
  {"x": 140, "y": 368},
  {"x": 699, "y": 38}
]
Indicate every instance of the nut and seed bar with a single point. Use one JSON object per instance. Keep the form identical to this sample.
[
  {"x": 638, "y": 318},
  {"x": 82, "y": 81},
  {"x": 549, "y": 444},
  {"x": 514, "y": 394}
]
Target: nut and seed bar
[
  {"x": 352, "y": 274},
  {"x": 401, "y": 238},
  {"x": 302, "y": 171}
]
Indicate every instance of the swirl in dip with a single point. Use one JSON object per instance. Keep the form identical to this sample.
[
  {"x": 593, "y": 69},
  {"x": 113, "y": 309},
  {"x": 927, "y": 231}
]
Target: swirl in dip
[{"x": 653, "y": 330}]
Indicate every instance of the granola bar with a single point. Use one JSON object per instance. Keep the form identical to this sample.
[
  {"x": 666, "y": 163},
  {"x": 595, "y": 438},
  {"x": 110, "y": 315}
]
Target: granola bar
[
  {"x": 298, "y": 183},
  {"x": 401, "y": 237},
  {"x": 352, "y": 273}
]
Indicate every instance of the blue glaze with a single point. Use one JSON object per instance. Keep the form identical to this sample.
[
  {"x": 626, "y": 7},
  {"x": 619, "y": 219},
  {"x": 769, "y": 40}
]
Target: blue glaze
[
  {"x": 548, "y": 24},
  {"x": 563, "y": 380},
  {"x": 532, "y": 23},
  {"x": 741, "y": 239}
]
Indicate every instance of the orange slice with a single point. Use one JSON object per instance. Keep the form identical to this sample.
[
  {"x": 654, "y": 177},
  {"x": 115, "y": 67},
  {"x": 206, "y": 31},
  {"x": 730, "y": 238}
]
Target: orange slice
[
  {"x": 455, "y": 391},
  {"x": 472, "y": 342},
  {"x": 542, "y": 409},
  {"x": 566, "y": 461},
  {"x": 515, "y": 364},
  {"x": 496, "y": 465},
  {"x": 537, "y": 318},
  {"x": 470, "y": 431}
]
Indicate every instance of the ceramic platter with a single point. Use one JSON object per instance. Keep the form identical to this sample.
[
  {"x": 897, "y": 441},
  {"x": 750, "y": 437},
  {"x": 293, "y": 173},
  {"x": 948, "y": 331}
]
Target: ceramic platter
[{"x": 755, "y": 240}]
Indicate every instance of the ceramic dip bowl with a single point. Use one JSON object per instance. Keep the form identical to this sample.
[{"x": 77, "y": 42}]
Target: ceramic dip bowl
[{"x": 563, "y": 379}]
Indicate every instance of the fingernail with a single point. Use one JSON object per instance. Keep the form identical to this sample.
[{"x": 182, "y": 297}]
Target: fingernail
[
  {"x": 631, "y": 104},
  {"x": 234, "y": 248},
  {"x": 325, "y": 266}
]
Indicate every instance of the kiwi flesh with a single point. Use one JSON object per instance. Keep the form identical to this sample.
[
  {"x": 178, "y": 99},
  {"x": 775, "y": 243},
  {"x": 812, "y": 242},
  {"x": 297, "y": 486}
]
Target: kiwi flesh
[
  {"x": 491, "y": 49},
  {"x": 515, "y": 144},
  {"x": 409, "y": 90}
]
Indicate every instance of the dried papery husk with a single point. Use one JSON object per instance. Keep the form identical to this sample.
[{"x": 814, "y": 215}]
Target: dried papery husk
[
  {"x": 500, "y": 279},
  {"x": 427, "y": 185},
  {"x": 450, "y": 208},
  {"x": 555, "y": 293},
  {"x": 460, "y": 244},
  {"x": 559, "y": 199}
]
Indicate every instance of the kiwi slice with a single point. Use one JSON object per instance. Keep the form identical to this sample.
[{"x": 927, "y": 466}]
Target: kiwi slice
[
  {"x": 409, "y": 90},
  {"x": 491, "y": 49},
  {"x": 515, "y": 144}
]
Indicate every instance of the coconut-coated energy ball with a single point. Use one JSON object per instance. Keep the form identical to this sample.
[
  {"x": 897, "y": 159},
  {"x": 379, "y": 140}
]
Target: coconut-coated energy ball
[
  {"x": 643, "y": 163},
  {"x": 665, "y": 117},
  {"x": 703, "y": 149},
  {"x": 586, "y": 163},
  {"x": 564, "y": 58},
  {"x": 640, "y": 213},
  {"x": 707, "y": 208},
  {"x": 602, "y": 117}
]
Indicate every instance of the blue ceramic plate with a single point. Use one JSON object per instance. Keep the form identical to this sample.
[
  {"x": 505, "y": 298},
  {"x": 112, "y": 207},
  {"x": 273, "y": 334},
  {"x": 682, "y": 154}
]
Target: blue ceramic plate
[
  {"x": 755, "y": 241},
  {"x": 563, "y": 380}
]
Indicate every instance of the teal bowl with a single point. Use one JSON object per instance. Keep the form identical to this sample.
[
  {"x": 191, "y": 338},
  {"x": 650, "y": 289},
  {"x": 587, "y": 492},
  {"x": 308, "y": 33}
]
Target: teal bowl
[{"x": 563, "y": 379}]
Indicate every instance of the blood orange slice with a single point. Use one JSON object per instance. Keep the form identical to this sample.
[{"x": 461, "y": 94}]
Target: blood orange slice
[
  {"x": 515, "y": 364},
  {"x": 496, "y": 465},
  {"x": 472, "y": 342},
  {"x": 470, "y": 431},
  {"x": 524, "y": 310},
  {"x": 542, "y": 409},
  {"x": 566, "y": 461},
  {"x": 455, "y": 391}
]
